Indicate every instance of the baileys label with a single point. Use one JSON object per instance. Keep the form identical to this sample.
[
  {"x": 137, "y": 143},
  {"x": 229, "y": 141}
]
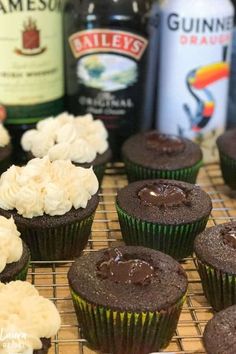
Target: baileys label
[{"x": 105, "y": 40}]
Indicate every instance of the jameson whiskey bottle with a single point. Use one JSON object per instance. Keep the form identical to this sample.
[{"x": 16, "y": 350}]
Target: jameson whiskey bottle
[
  {"x": 106, "y": 56},
  {"x": 31, "y": 63}
]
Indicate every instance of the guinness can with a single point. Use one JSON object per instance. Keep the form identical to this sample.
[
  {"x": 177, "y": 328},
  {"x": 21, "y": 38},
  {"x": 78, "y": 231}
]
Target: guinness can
[{"x": 194, "y": 69}]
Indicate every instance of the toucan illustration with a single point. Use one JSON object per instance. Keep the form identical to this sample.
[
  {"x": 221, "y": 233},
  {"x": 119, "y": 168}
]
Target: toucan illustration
[{"x": 198, "y": 82}]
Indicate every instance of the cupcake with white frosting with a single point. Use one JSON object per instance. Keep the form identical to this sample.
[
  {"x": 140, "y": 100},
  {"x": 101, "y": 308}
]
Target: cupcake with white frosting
[
  {"x": 14, "y": 254},
  {"x": 5, "y": 149},
  {"x": 82, "y": 140},
  {"x": 27, "y": 320},
  {"x": 53, "y": 205}
]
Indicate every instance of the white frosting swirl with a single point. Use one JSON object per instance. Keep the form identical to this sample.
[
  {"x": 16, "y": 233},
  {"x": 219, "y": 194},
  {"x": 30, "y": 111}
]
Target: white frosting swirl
[
  {"x": 82, "y": 151},
  {"x": 4, "y": 136},
  {"x": 9, "y": 187},
  {"x": 11, "y": 248},
  {"x": 28, "y": 139},
  {"x": 62, "y": 150},
  {"x": 46, "y": 187},
  {"x": 26, "y": 314},
  {"x": 78, "y": 139},
  {"x": 42, "y": 143},
  {"x": 66, "y": 134},
  {"x": 56, "y": 200},
  {"x": 29, "y": 201}
]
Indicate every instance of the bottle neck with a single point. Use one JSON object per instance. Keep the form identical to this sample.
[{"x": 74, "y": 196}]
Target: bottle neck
[
  {"x": 124, "y": 14},
  {"x": 114, "y": 7},
  {"x": 234, "y": 4}
]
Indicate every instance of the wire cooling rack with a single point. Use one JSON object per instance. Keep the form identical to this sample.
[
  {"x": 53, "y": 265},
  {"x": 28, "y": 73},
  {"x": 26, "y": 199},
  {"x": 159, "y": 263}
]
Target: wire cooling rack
[{"x": 51, "y": 279}]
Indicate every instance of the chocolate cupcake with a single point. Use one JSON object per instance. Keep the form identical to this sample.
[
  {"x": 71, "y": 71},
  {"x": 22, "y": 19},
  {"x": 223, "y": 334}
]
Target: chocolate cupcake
[
  {"x": 81, "y": 140},
  {"x": 14, "y": 254},
  {"x": 5, "y": 149},
  {"x": 165, "y": 215},
  {"x": 220, "y": 332},
  {"x": 27, "y": 320},
  {"x": 227, "y": 149},
  {"x": 53, "y": 205},
  {"x": 215, "y": 250},
  {"x": 152, "y": 155},
  {"x": 128, "y": 299}
]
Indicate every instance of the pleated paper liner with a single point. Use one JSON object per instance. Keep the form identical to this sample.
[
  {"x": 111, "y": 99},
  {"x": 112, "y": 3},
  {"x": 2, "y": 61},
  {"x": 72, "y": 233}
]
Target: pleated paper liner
[
  {"x": 219, "y": 287},
  {"x": 175, "y": 240},
  {"x": 23, "y": 274},
  {"x": 64, "y": 242},
  {"x": 228, "y": 169},
  {"x": 18, "y": 274},
  {"x": 110, "y": 331},
  {"x": 99, "y": 171},
  {"x": 136, "y": 172}
]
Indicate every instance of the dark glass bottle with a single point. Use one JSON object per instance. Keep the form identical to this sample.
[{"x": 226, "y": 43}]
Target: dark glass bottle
[
  {"x": 31, "y": 65},
  {"x": 232, "y": 83},
  {"x": 106, "y": 61}
]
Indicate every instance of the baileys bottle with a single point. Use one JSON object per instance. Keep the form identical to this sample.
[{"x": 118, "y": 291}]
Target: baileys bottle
[{"x": 106, "y": 56}]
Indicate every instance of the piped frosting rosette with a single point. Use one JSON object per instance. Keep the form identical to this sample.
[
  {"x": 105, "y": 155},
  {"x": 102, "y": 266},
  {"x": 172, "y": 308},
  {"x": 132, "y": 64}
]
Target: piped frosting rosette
[
  {"x": 66, "y": 137},
  {"x": 11, "y": 247},
  {"x": 25, "y": 318},
  {"x": 44, "y": 187}
]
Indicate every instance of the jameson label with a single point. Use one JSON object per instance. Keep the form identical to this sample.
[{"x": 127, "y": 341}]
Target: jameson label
[
  {"x": 108, "y": 73},
  {"x": 194, "y": 73},
  {"x": 7, "y": 6},
  {"x": 31, "y": 60}
]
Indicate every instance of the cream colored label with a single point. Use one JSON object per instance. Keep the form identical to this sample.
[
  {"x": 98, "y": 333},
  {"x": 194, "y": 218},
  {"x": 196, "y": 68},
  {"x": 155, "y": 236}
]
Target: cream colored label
[{"x": 31, "y": 58}]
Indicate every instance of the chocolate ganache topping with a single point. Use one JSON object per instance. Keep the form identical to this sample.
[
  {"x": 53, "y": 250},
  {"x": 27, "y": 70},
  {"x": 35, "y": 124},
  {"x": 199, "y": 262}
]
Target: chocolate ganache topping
[
  {"x": 120, "y": 270},
  {"x": 161, "y": 194},
  {"x": 229, "y": 237},
  {"x": 164, "y": 144}
]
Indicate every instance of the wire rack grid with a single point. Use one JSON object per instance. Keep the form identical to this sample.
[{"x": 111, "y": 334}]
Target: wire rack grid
[{"x": 51, "y": 279}]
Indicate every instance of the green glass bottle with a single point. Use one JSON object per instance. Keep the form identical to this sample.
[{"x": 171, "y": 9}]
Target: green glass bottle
[{"x": 31, "y": 64}]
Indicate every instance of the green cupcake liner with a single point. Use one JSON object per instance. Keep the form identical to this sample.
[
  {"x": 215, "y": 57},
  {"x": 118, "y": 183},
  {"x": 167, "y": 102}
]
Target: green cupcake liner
[
  {"x": 218, "y": 287},
  {"x": 99, "y": 171},
  {"x": 64, "y": 242},
  {"x": 18, "y": 270},
  {"x": 175, "y": 240},
  {"x": 116, "y": 332},
  {"x": 22, "y": 275},
  {"x": 228, "y": 168},
  {"x": 136, "y": 172}
]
